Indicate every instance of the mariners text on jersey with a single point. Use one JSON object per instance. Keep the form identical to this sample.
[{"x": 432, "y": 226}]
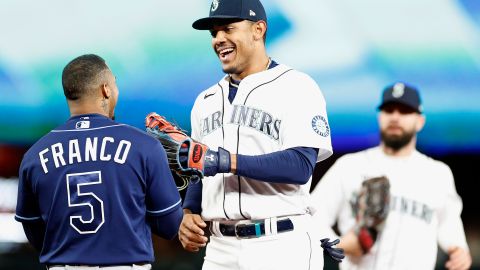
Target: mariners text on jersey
[
  {"x": 95, "y": 149},
  {"x": 244, "y": 116}
]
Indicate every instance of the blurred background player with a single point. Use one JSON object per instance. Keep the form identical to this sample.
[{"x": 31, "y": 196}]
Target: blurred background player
[
  {"x": 424, "y": 206},
  {"x": 88, "y": 188},
  {"x": 269, "y": 124}
]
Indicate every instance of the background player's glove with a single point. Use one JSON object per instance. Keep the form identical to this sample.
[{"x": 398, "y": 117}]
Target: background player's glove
[
  {"x": 185, "y": 155},
  {"x": 371, "y": 208},
  {"x": 335, "y": 253}
]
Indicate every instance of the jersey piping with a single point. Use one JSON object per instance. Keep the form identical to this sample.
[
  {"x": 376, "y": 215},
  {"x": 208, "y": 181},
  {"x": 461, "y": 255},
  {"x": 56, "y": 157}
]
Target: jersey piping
[
  {"x": 27, "y": 218},
  {"x": 310, "y": 255},
  {"x": 223, "y": 141},
  {"x": 238, "y": 140},
  {"x": 165, "y": 209}
]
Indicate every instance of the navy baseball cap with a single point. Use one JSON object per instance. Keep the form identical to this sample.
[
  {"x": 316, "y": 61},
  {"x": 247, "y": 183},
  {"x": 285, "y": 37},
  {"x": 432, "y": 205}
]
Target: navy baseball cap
[
  {"x": 220, "y": 10},
  {"x": 402, "y": 93}
]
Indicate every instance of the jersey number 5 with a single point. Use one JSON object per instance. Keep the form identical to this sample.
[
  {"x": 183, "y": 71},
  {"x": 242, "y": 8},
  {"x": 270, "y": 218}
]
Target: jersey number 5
[{"x": 88, "y": 206}]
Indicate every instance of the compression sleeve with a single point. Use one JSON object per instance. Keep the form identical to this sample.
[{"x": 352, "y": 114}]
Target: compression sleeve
[
  {"x": 35, "y": 232},
  {"x": 173, "y": 219},
  {"x": 193, "y": 197},
  {"x": 290, "y": 166}
]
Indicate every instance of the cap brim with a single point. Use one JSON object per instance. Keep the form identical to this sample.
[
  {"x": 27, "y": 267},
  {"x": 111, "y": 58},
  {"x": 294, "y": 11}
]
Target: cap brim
[
  {"x": 208, "y": 22},
  {"x": 381, "y": 106}
]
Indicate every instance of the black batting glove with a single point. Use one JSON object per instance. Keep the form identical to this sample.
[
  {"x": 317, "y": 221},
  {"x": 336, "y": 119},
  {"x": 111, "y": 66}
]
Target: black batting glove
[{"x": 335, "y": 253}]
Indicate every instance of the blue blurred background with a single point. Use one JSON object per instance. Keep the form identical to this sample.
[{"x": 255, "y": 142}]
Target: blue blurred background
[{"x": 351, "y": 48}]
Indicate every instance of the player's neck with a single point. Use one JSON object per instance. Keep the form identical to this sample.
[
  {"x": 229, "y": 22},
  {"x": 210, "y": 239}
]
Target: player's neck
[
  {"x": 258, "y": 66},
  {"x": 405, "y": 151},
  {"x": 79, "y": 108}
]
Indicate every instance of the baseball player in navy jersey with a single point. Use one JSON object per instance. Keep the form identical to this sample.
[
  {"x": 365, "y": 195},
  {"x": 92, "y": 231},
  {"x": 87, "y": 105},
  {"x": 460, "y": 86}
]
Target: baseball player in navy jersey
[
  {"x": 269, "y": 124},
  {"x": 92, "y": 190},
  {"x": 424, "y": 207}
]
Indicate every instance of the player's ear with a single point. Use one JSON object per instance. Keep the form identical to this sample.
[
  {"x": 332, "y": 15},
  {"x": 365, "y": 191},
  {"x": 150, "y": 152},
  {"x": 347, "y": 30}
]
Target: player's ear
[
  {"x": 420, "y": 122},
  {"x": 106, "y": 91},
  {"x": 259, "y": 30}
]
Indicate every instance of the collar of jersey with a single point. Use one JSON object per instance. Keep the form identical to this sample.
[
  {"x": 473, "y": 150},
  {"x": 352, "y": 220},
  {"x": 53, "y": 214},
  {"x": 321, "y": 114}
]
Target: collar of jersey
[
  {"x": 380, "y": 151},
  {"x": 259, "y": 77},
  {"x": 89, "y": 115}
]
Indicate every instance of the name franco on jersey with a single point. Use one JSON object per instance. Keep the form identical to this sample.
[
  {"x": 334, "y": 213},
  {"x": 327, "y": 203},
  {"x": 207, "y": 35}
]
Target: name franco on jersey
[{"x": 93, "y": 151}]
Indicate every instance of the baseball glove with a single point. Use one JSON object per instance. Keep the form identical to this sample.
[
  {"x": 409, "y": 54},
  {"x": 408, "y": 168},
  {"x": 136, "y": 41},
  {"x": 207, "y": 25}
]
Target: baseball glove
[
  {"x": 187, "y": 158},
  {"x": 371, "y": 208},
  {"x": 171, "y": 137}
]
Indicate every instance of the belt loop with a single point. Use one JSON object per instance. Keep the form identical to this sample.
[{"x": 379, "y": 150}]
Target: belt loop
[
  {"x": 273, "y": 223},
  {"x": 215, "y": 227},
  {"x": 267, "y": 225}
]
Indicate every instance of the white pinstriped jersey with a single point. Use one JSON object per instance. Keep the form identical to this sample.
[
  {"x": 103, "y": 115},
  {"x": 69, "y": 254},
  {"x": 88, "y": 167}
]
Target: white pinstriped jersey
[
  {"x": 273, "y": 110},
  {"x": 424, "y": 210}
]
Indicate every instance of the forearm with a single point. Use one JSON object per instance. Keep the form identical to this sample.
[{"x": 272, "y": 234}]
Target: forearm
[
  {"x": 290, "y": 166},
  {"x": 233, "y": 160}
]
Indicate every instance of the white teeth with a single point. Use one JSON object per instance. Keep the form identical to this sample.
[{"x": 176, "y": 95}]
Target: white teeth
[{"x": 225, "y": 51}]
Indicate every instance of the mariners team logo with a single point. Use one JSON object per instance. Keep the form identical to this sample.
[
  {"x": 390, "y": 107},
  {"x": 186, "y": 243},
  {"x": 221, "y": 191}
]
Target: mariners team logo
[
  {"x": 320, "y": 125},
  {"x": 215, "y": 5},
  {"x": 398, "y": 90}
]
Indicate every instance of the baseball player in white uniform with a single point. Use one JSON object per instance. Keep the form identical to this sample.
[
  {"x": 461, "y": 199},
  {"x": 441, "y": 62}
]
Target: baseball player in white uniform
[
  {"x": 424, "y": 206},
  {"x": 273, "y": 122}
]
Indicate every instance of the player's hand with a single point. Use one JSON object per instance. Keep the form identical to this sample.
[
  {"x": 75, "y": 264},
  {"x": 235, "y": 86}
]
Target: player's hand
[
  {"x": 459, "y": 259},
  {"x": 350, "y": 244},
  {"x": 191, "y": 233}
]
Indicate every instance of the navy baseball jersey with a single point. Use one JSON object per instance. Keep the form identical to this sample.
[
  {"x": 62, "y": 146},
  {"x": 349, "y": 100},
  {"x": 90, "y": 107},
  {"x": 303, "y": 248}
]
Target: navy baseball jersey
[{"x": 93, "y": 181}]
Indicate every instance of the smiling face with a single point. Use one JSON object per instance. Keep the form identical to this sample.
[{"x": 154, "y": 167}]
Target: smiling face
[{"x": 239, "y": 46}]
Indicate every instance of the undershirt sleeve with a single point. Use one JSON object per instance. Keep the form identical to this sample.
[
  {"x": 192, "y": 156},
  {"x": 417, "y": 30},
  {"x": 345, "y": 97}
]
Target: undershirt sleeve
[{"x": 290, "y": 166}]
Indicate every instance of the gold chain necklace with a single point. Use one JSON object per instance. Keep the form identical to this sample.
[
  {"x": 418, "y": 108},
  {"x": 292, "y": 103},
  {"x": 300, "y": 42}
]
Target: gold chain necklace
[{"x": 230, "y": 79}]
